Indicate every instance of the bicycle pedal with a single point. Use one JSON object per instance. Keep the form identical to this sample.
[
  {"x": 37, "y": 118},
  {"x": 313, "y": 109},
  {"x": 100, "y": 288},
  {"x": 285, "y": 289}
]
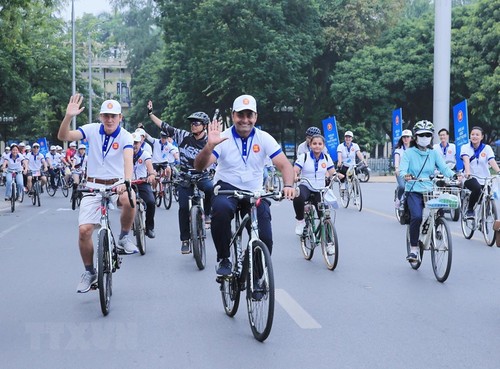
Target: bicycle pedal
[
  {"x": 219, "y": 279},
  {"x": 94, "y": 286}
]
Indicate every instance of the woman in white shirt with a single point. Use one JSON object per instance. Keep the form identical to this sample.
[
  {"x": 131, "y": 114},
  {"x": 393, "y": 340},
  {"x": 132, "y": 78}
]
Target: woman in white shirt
[{"x": 402, "y": 145}]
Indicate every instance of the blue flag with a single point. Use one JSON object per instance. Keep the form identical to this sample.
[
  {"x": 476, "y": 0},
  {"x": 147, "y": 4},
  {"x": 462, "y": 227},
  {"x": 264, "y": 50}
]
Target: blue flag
[
  {"x": 461, "y": 125},
  {"x": 331, "y": 136},
  {"x": 43, "y": 146},
  {"x": 397, "y": 126}
]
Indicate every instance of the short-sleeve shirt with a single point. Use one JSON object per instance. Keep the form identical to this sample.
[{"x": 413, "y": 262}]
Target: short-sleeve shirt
[
  {"x": 140, "y": 159},
  {"x": 448, "y": 152},
  {"x": 478, "y": 159},
  {"x": 54, "y": 159},
  {"x": 400, "y": 151},
  {"x": 348, "y": 153},
  {"x": 315, "y": 170},
  {"x": 241, "y": 161},
  {"x": 35, "y": 161},
  {"x": 15, "y": 165},
  {"x": 106, "y": 151},
  {"x": 80, "y": 161},
  {"x": 163, "y": 152}
]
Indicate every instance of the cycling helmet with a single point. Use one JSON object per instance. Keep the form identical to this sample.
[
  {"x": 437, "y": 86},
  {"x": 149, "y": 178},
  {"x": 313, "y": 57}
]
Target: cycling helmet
[
  {"x": 164, "y": 134},
  {"x": 200, "y": 116},
  {"x": 423, "y": 126},
  {"x": 313, "y": 131}
]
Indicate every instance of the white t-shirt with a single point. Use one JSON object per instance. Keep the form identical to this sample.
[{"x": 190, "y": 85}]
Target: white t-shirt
[
  {"x": 35, "y": 161},
  {"x": 163, "y": 152},
  {"x": 240, "y": 162},
  {"x": 448, "y": 152},
  {"x": 478, "y": 159},
  {"x": 54, "y": 159},
  {"x": 140, "y": 169},
  {"x": 348, "y": 153},
  {"x": 400, "y": 151},
  {"x": 80, "y": 162},
  {"x": 106, "y": 152},
  {"x": 15, "y": 165},
  {"x": 314, "y": 170}
]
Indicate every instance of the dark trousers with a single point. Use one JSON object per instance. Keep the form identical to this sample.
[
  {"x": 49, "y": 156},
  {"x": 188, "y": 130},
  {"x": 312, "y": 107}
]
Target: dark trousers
[
  {"x": 416, "y": 207},
  {"x": 475, "y": 191},
  {"x": 223, "y": 209},
  {"x": 299, "y": 202},
  {"x": 204, "y": 185},
  {"x": 146, "y": 193}
]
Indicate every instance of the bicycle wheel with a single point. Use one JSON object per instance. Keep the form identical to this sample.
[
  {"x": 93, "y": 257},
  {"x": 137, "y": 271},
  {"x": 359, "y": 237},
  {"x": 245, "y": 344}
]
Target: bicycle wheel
[
  {"x": 104, "y": 270},
  {"x": 414, "y": 264},
  {"x": 441, "y": 250},
  {"x": 344, "y": 194},
  {"x": 277, "y": 183},
  {"x": 467, "y": 225},
  {"x": 489, "y": 216},
  {"x": 397, "y": 210},
  {"x": 36, "y": 195},
  {"x": 357, "y": 197},
  {"x": 229, "y": 286},
  {"x": 197, "y": 223},
  {"x": 260, "y": 298},
  {"x": 307, "y": 240},
  {"x": 158, "y": 193},
  {"x": 64, "y": 187},
  {"x": 364, "y": 175},
  {"x": 175, "y": 192},
  {"x": 455, "y": 214},
  {"x": 139, "y": 229},
  {"x": 48, "y": 187},
  {"x": 33, "y": 194},
  {"x": 330, "y": 244},
  {"x": 167, "y": 195},
  {"x": 13, "y": 195},
  {"x": 74, "y": 197}
]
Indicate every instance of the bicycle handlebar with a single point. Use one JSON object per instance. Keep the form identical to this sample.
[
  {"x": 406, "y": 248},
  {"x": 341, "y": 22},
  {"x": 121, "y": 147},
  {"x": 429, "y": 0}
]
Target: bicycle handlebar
[
  {"x": 321, "y": 189},
  {"x": 108, "y": 189},
  {"x": 241, "y": 194}
]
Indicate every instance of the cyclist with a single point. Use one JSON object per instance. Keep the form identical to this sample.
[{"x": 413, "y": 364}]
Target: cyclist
[
  {"x": 110, "y": 160},
  {"x": 35, "y": 162},
  {"x": 477, "y": 156},
  {"x": 240, "y": 152},
  {"x": 53, "y": 161},
  {"x": 143, "y": 169},
  {"x": 165, "y": 154},
  {"x": 315, "y": 166},
  {"x": 304, "y": 147},
  {"x": 14, "y": 162},
  {"x": 78, "y": 166},
  {"x": 347, "y": 153},
  {"x": 3, "y": 157},
  {"x": 22, "y": 148},
  {"x": 447, "y": 149},
  {"x": 420, "y": 161},
  {"x": 67, "y": 160},
  {"x": 144, "y": 145},
  {"x": 190, "y": 144},
  {"x": 401, "y": 147}
]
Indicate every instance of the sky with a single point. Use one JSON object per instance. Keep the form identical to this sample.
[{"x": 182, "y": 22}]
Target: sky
[{"x": 86, "y": 6}]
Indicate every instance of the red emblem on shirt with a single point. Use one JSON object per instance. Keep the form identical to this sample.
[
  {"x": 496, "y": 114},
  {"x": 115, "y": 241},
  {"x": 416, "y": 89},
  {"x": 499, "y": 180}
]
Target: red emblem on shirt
[
  {"x": 115, "y": 145},
  {"x": 140, "y": 161},
  {"x": 449, "y": 151},
  {"x": 256, "y": 148},
  {"x": 323, "y": 165},
  {"x": 483, "y": 154}
]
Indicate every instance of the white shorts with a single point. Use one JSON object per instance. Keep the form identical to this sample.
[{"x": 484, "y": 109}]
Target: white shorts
[{"x": 90, "y": 207}]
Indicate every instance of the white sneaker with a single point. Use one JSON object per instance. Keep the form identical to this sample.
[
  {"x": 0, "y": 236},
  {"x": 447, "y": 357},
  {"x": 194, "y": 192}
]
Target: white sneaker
[
  {"x": 299, "y": 227},
  {"x": 330, "y": 249},
  {"x": 88, "y": 279},
  {"x": 126, "y": 245}
]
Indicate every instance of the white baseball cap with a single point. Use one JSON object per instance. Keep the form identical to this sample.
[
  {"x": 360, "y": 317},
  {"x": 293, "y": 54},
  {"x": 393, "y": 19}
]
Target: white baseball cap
[
  {"x": 82, "y": 146},
  {"x": 36, "y": 144},
  {"x": 53, "y": 148},
  {"x": 72, "y": 144},
  {"x": 136, "y": 136},
  {"x": 111, "y": 107},
  {"x": 348, "y": 133},
  {"x": 28, "y": 147},
  {"x": 141, "y": 132},
  {"x": 406, "y": 133},
  {"x": 245, "y": 102}
]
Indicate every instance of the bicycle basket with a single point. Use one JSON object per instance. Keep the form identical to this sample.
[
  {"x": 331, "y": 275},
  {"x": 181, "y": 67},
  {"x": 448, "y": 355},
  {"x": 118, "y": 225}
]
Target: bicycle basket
[
  {"x": 442, "y": 198},
  {"x": 331, "y": 199}
]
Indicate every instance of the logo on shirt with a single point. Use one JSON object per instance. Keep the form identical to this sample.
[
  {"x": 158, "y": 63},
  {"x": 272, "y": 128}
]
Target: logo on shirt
[
  {"x": 449, "y": 151},
  {"x": 256, "y": 148},
  {"x": 140, "y": 161},
  {"x": 115, "y": 146},
  {"x": 483, "y": 154},
  {"x": 323, "y": 165}
]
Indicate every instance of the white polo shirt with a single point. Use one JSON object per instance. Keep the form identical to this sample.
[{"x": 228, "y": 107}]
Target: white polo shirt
[
  {"x": 54, "y": 159},
  {"x": 162, "y": 152},
  {"x": 240, "y": 162},
  {"x": 315, "y": 170},
  {"x": 478, "y": 159},
  {"x": 35, "y": 161},
  {"x": 106, "y": 152},
  {"x": 140, "y": 169},
  {"x": 80, "y": 162},
  {"x": 348, "y": 153},
  {"x": 448, "y": 152},
  {"x": 15, "y": 165}
]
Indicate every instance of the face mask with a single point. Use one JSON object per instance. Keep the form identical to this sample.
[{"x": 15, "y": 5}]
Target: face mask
[{"x": 424, "y": 141}]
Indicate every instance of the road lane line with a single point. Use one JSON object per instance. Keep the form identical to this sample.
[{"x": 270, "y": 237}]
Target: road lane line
[{"x": 296, "y": 312}]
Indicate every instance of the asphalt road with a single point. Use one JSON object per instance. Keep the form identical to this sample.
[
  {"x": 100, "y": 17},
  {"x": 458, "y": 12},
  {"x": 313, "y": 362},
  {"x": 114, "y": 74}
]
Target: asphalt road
[{"x": 373, "y": 311}]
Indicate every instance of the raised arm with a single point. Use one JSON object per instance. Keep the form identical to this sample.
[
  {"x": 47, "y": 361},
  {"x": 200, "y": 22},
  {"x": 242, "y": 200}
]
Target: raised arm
[
  {"x": 205, "y": 157},
  {"x": 72, "y": 110},
  {"x": 153, "y": 117}
]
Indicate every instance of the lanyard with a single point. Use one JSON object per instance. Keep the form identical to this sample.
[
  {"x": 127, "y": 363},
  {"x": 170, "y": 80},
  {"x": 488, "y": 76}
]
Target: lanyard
[
  {"x": 244, "y": 148},
  {"x": 348, "y": 149},
  {"x": 444, "y": 148},
  {"x": 316, "y": 162}
]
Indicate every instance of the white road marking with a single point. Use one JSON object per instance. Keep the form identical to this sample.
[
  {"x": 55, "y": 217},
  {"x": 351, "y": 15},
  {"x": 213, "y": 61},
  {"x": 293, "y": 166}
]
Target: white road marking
[{"x": 296, "y": 312}]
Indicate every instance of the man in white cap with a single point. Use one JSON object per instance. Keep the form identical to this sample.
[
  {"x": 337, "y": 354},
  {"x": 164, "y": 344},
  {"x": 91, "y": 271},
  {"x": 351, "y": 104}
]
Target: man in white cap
[
  {"x": 110, "y": 160},
  {"x": 241, "y": 152},
  {"x": 36, "y": 162},
  {"x": 143, "y": 135},
  {"x": 53, "y": 161},
  {"x": 347, "y": 152}
]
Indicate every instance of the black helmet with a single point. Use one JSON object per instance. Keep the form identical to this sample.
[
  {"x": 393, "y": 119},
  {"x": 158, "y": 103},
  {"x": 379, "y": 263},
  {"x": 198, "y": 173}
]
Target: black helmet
[
  {"x": 164, "y": 134},
  {"x": 313, "y": 131},
  {"x": 200, "y": 116}
]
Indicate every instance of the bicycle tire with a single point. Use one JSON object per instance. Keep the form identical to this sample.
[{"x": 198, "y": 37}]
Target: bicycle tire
[
  {"x": 48, "y": 187},
  {"x": 37, "y": 193},
  {"x": 358, "y": 198},
  {"x": 441, "y": 250},
  {"x": 414, "y": 264},
  {"x": 364, "y": 175},
  {"x": 455, "y": 214},
  {"x": 33, "y": 194},
  {"x": 344, "y": 194},
  {"x": 64, "y": 187},
  {"x": 260, "y": 301},
  {"x": 467, "y": 225},
  {"x": 104, "y": 271},
  {"x": 167, "y": 196},
  {"x": 139, "y": 229},
  {"x": 489, "y": 216},
  {"x": 329, "y": 238},
  {"x": 397, "y": 210},
  {"x": 277, "y": 184},
  {"x": 175, "y": 192},
  {"x": 197, "y": 224},
  {"x": 307, "y": 240},
  {"x": 230, "y": 287},
  {"x": 73, "y": 199},
  {"x": 158, "y": 194},
  {"x": 13, "y": 195}
]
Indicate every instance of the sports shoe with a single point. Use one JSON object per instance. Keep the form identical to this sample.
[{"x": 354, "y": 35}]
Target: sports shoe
[
  {"x": 470, "y": 214},
  {"x": 412, "y": 257},
  {"x": 397, "y": 203},
  {"x": 299, "y": 227},
  {"x": 88, "y": 279},
  {"x": 259, "y": 290},
  {"x": 225, "y": 268},
  {"x": 126, "y": 245},
  {"x": 208, "y": 222},
  {"x": 330, "y": 249},
  {"x": 150, "y": 233},
  {"x": 185, "y": 249}
]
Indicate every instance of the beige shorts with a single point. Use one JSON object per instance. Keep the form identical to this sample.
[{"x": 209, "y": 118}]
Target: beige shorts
[{"x": 90, "y": 207}]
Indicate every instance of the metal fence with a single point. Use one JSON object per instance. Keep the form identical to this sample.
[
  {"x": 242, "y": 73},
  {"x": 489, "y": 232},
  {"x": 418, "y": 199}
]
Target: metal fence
[{"x": 381, "y": 166}]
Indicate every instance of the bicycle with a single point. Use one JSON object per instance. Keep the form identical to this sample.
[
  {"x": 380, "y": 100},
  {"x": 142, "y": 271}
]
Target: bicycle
[
  {"x": 36, "y": 188},
  {"x": 485, "y": 212},
  {"x": 273, "y": 182},
  {"x": 352, "y": 189},
  {"x": 320, "y": 229},
  {"x": 252, "y": 267},
  {"x": 196, "y": 217},
  {"x": 363, "y": 173},
  {"x": 59, "y": 181},
  {"x": 139, "y": 224},
  {"x": 108, "y": 261},
  {"x": 435, "y": 234},
  {"x": 15, "y": 194},
  {"x": 76, "y": 196},
  {"x": 163, "y": 190}
]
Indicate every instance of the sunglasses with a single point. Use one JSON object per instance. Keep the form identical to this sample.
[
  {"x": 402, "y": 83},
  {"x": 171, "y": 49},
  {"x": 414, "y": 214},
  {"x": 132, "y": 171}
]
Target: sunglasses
[
  {"x": 196, "y": 123},
  {"x": 425, "y": 135}
]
